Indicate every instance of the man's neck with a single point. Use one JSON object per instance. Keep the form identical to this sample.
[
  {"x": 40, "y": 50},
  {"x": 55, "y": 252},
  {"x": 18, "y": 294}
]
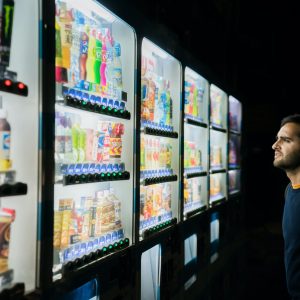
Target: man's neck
[{"x": 294, "y": 176}]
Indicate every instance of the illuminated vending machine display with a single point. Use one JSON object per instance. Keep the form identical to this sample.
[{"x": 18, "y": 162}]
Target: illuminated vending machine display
[
  {"x": 234, "y": 160},
  {"x": 19, "y": 126},
  {"x": 196, "y": 96},
  {"x": 218, "y": 145},
  {"x": 94, "y": 134},
  {"x": 159, "y": 142}
]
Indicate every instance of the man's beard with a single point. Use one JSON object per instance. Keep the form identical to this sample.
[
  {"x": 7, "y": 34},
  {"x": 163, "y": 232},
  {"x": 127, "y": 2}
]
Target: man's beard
[{"x": 288, "y": 163}]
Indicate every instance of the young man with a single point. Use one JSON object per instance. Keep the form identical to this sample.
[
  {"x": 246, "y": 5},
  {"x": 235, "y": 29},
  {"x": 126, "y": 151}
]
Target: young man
[{"x": 287, "y": 157}]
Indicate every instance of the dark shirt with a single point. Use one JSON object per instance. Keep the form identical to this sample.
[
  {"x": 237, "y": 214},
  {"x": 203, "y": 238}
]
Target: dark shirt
[{"x": 291, "y": 235}]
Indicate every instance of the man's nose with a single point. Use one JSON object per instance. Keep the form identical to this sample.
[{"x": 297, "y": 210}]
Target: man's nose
[{"x": 275, "y": 145}]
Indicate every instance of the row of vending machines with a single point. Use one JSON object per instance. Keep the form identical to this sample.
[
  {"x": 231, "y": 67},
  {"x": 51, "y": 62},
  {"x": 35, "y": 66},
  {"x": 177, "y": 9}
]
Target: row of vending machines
[{"x": 109, "y": 145}]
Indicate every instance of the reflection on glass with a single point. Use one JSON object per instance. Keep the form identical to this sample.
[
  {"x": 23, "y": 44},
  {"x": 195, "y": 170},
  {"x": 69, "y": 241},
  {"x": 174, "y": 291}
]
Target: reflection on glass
[{"x": 150, "y": 273}]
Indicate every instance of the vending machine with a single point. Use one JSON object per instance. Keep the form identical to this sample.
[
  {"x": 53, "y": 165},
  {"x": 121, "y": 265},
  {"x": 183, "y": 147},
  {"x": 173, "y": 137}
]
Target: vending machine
[
  {"x": 218, "y": 170},
  {"x": 19, "y": 148},
  {"x": 160, "y": 127},
  {"x": 196, "y": 98},
  {"x": 234, "y": 145},
  {"x": 92, "y": 180},
  {"x": 195, "y": 229},
  {"x": 235, "y": 205},
  {"x": 218, "y": 136}
]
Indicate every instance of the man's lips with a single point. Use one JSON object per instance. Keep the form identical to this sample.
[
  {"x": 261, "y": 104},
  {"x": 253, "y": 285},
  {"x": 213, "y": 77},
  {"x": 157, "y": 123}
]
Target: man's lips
[{"x": 277, "y": 154}]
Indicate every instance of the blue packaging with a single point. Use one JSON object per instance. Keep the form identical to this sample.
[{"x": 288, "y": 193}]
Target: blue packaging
[
  {"x": 82, "y": 249},
  {"x": 78, "y": 169},
  {"x": 122, "y": 167},
  {"x": 122, "y": 105},
  {"x": 98, "y": 100},
  {"x": 89, "y": 246},
  {"x": 77, "y": 250},
  {"x": 114, "y": 236},
  {"x": 64, "y": 169},
  {"x": 93, "y": 99},
  {"x": 108, "y": 238},
  {"x": 91, "y": 168},
  {"x": 71, "y": 169},
  {"x": 85, "y": 168},
  {"x": 103, "y": 168},
  {"x": 115, "y": 168},
  {"x": 104, "y": 101},
  {"x": 109, "y": 168},
  {"x": 120, "y": 233},
  {"x": 85, "y": 97},
  {"x": 78, "y": 95},
  {"x": 95, "y": 244},
  {"x": 72, "y": 92},
  {"x": 101, "y": 241},
  {"x": 98, "y": 168},
  {"x": 116, "y": 104},
  {"x": 111, "y": 103}
]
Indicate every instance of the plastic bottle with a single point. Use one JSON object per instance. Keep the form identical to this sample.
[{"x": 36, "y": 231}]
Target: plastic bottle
[
  {"x": 117, "y": 72},
  {"x": 91, "y": 56},
  {"x": 5, "y": 162}
]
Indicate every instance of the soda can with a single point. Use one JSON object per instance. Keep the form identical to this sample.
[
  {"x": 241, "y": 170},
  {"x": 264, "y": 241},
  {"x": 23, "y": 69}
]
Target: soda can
[{"x": 91, "y": 169}]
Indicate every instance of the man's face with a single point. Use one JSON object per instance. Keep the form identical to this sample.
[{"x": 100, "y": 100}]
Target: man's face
[{"x": 287, "y": 147}]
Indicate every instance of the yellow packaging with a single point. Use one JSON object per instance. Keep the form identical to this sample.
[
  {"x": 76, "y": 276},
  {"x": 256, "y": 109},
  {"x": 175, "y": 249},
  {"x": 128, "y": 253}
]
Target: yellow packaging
[{"x": 57, "y": 229}]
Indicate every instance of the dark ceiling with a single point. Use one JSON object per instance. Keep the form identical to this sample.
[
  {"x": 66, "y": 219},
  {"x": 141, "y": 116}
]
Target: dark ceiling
[
  {"x": 253, "y": 47},
  {"x": 250, "y": 45}
]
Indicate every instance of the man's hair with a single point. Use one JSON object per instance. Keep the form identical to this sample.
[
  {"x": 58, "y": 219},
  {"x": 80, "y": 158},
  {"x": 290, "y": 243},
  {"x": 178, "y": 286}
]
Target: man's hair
[{"x": 291, "y": 119}]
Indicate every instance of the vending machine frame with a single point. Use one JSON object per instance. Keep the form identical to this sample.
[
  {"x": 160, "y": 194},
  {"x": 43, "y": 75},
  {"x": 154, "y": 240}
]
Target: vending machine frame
[{"x": 98, "y": 268}]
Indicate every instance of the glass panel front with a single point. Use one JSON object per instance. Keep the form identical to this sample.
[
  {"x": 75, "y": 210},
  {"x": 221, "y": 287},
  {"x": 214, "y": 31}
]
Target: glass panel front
[
  {"x": 160, "y": 129},
  {"x": 190, "y": 249},
  {"x": 196, "y": 96},
  {"x": 234, "y": 177},
  {"x": 218, "y": 107},
  {"x": 235, "y": 114},
  {"x": 217, "y": 188},
  {"x": 94, "y": 131}
]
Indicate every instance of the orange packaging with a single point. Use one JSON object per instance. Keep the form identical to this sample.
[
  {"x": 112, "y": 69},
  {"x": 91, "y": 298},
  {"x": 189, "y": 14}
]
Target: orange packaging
[{"x": 6, "y": 218}]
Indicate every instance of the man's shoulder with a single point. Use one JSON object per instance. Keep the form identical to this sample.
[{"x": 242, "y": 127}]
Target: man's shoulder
[{"x": 287, "y": 190}]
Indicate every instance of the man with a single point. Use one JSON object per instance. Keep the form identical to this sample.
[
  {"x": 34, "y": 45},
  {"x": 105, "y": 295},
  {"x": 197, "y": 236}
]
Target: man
[{"x": 287, "y": 157}]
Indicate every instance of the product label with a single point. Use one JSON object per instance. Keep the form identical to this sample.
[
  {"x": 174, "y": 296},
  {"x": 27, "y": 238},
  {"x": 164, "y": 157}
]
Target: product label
[{"x": 4, "y": 144}]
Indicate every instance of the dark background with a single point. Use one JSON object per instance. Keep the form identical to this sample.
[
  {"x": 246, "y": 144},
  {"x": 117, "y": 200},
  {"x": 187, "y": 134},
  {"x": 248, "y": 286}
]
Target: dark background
[{"x": 251, "y": 47}]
